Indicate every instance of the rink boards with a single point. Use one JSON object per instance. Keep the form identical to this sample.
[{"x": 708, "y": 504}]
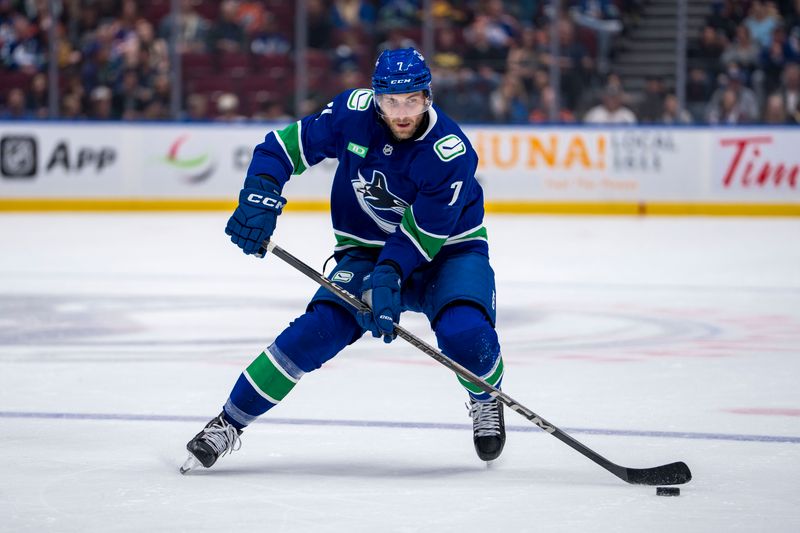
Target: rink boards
[{"x": 596, "y": 170}]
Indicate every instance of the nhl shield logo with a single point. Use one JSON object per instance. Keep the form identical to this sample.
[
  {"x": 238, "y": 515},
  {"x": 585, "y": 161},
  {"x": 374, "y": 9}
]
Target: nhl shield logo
[{"x": 388, "y": 149}]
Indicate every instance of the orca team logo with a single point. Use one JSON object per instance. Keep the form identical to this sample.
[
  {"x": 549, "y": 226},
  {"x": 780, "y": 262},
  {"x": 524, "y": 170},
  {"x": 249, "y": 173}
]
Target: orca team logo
[
  {"x": 377, "y": 201},
  {"x": 18, "y": 156},
  {"x": 193, "y": 165}
]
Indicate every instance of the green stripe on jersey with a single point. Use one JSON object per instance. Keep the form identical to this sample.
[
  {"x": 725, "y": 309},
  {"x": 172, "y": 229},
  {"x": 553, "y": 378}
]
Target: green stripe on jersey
[
  {"x": 271, "y": 380},
  {"x": 476, "y": 234},
  {"x": 493, "y": 378},
  {"x": 290, "y": 135},
  {"x": 344, "y": 240},
  {"x": 428, "y": 244}
]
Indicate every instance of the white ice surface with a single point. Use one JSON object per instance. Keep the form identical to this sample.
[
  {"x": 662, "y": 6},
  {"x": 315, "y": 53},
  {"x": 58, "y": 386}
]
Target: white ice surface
[{"x": 649, "y": 340}]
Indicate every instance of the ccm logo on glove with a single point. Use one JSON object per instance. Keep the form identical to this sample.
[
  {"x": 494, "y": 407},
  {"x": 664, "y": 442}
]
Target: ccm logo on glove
[{"x": 267, "y": 201}]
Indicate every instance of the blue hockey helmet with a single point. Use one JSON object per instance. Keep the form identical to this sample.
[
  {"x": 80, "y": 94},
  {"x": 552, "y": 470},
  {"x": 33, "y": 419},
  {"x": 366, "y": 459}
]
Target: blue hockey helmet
[{"x": 401, "y": 71}]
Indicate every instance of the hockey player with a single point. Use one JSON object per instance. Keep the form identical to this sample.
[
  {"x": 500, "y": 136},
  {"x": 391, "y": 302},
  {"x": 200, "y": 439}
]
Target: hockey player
[{"x": 407, "y": 215}]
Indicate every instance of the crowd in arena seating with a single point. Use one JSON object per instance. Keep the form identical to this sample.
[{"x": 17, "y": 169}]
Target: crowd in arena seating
[{"x": 492, "y": 59}]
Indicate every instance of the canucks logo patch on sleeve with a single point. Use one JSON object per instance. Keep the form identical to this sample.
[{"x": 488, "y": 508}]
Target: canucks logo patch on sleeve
[{"x": 449, "y": 147}]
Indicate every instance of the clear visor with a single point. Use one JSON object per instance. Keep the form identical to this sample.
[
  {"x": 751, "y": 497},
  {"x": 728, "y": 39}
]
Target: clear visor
[{"x": 402, "y": 105}]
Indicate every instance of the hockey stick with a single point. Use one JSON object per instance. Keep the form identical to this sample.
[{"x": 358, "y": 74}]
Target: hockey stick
[{"x": 669, "y": 474}]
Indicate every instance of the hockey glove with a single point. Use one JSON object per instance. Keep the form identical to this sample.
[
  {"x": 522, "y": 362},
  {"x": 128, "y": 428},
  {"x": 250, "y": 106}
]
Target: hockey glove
[
  {"x": 381, "y": 291},
  {"x": 254, "y": 219}
]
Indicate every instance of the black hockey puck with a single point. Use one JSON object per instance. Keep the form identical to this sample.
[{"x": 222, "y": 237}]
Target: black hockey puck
[{"x": 668, "y": 491}]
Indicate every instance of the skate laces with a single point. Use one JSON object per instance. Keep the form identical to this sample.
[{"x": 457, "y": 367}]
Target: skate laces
[
  {"x": 222, "y": 437},
  {"x": 485, "y": 418}
]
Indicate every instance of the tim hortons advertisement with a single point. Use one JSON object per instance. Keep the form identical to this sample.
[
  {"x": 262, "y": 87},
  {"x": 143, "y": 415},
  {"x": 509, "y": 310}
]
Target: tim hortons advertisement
[{"x": 757, "y": 164}]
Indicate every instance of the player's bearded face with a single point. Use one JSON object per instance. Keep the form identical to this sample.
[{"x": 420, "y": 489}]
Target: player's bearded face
[{"x": 403, "y": 113}]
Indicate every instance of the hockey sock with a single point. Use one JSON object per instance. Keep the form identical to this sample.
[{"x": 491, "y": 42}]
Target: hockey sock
[
  {"x": 465, "y": 335},
  {"x": 263, "y": 384},
  {"x": 305, "y": 345}
]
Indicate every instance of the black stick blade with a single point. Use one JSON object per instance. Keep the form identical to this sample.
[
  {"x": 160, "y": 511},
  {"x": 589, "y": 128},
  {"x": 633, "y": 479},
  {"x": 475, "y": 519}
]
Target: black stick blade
[{"x": 671, "y": 474}]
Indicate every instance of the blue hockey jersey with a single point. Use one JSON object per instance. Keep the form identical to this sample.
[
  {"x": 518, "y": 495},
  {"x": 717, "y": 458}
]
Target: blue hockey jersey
[{"x": 414, "y": 198}]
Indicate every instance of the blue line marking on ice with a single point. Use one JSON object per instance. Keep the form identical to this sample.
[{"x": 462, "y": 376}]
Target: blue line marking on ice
[{"x": 405, "y": 425}]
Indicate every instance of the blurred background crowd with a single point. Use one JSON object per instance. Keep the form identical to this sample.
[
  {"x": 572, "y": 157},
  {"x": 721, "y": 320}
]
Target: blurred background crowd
[{"x": 493, "y": 61}]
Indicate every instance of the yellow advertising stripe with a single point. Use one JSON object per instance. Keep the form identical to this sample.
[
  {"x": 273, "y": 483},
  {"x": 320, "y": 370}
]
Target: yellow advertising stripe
[
  {"x": 644, "y": 208},
  {"x": 724, "y": 210},
  {"x": 508, "y": 207}
]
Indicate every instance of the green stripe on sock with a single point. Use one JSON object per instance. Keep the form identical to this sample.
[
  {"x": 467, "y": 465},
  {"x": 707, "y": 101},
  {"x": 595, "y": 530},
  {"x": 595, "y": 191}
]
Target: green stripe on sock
[
  {"x": 269, "y": 379},
  {"x": 493, "y": 379},
  {"x": 290, "y": 135}
]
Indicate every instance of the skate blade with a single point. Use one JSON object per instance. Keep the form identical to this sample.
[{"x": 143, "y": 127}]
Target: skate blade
[{"x": 190, "y": 464}]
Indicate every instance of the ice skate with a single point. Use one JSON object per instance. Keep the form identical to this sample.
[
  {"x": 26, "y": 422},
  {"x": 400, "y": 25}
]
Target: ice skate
[
  {"x": 214, "y": 441},
  {"x": 488, "y": 428}
]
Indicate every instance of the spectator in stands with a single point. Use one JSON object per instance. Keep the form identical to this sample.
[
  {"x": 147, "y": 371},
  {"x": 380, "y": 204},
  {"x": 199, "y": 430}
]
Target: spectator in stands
[
  {"x": 726, "y": 109},
  {"x": 127, "y": 101},
  {"x": 465, "y": 100},
  {"x": 150, "y": 51},
  {"x": 523, "y": 58},
  {"x": 226, "y": 35},
  {"x": 71, "y": 108},
  {"x": 393, "y": 14},
  {"x": 128, "y": 19},
  {"x": 100, "y": 104},
  {"x": 155, "y": 110},
  {"x": 577, "y": 67},
  {"x": 509, "y": 102},
  {"x": 228, "y": 108},
  {"x": 672, "y": 113},
  {"x": 319, "y": 25},
  {"x": 775, "y": 110},
  {"x": 37, "y": 98},
  {"x": 541, "y": 111},
  {"x": 791, "y": 14},
  {"x": 706, "y": 52},
  {"x": 743, "y": 50},
  {"x": 449, "y": 13},
  {"x": 486, "y": 45},
  {"x": 396, "y": 39},
  {"x": 726, "y": 16},
  {"x": 161, "y": 90},
  {"x": 611, "y": 110},
  {"x": 698, "y": 93},
  {"x": 602, "y": 18},
  {"x": 100, "y": 66},
  {"x": 15, "y": 106},
  {"x": 192, "y": 28},
  {"x": 761, "y": 21},
  {"x": 22, "y": 49},
  {"x": 352, "y": 14},
  {"x": 266, "y": 38},
  {"x": 733, "y": 102},
  {"x": 448, "y": 53},
  {"x": 270, "y": 109},
  {"x": 651, "y": 107},
  {"x": 774, "y": 59},
  {"x": 790, "y": 90},
  {"x": 251, "y": 17},
  {"x": 505, "y": 27},
  {"x": 196, "y": 108}
]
